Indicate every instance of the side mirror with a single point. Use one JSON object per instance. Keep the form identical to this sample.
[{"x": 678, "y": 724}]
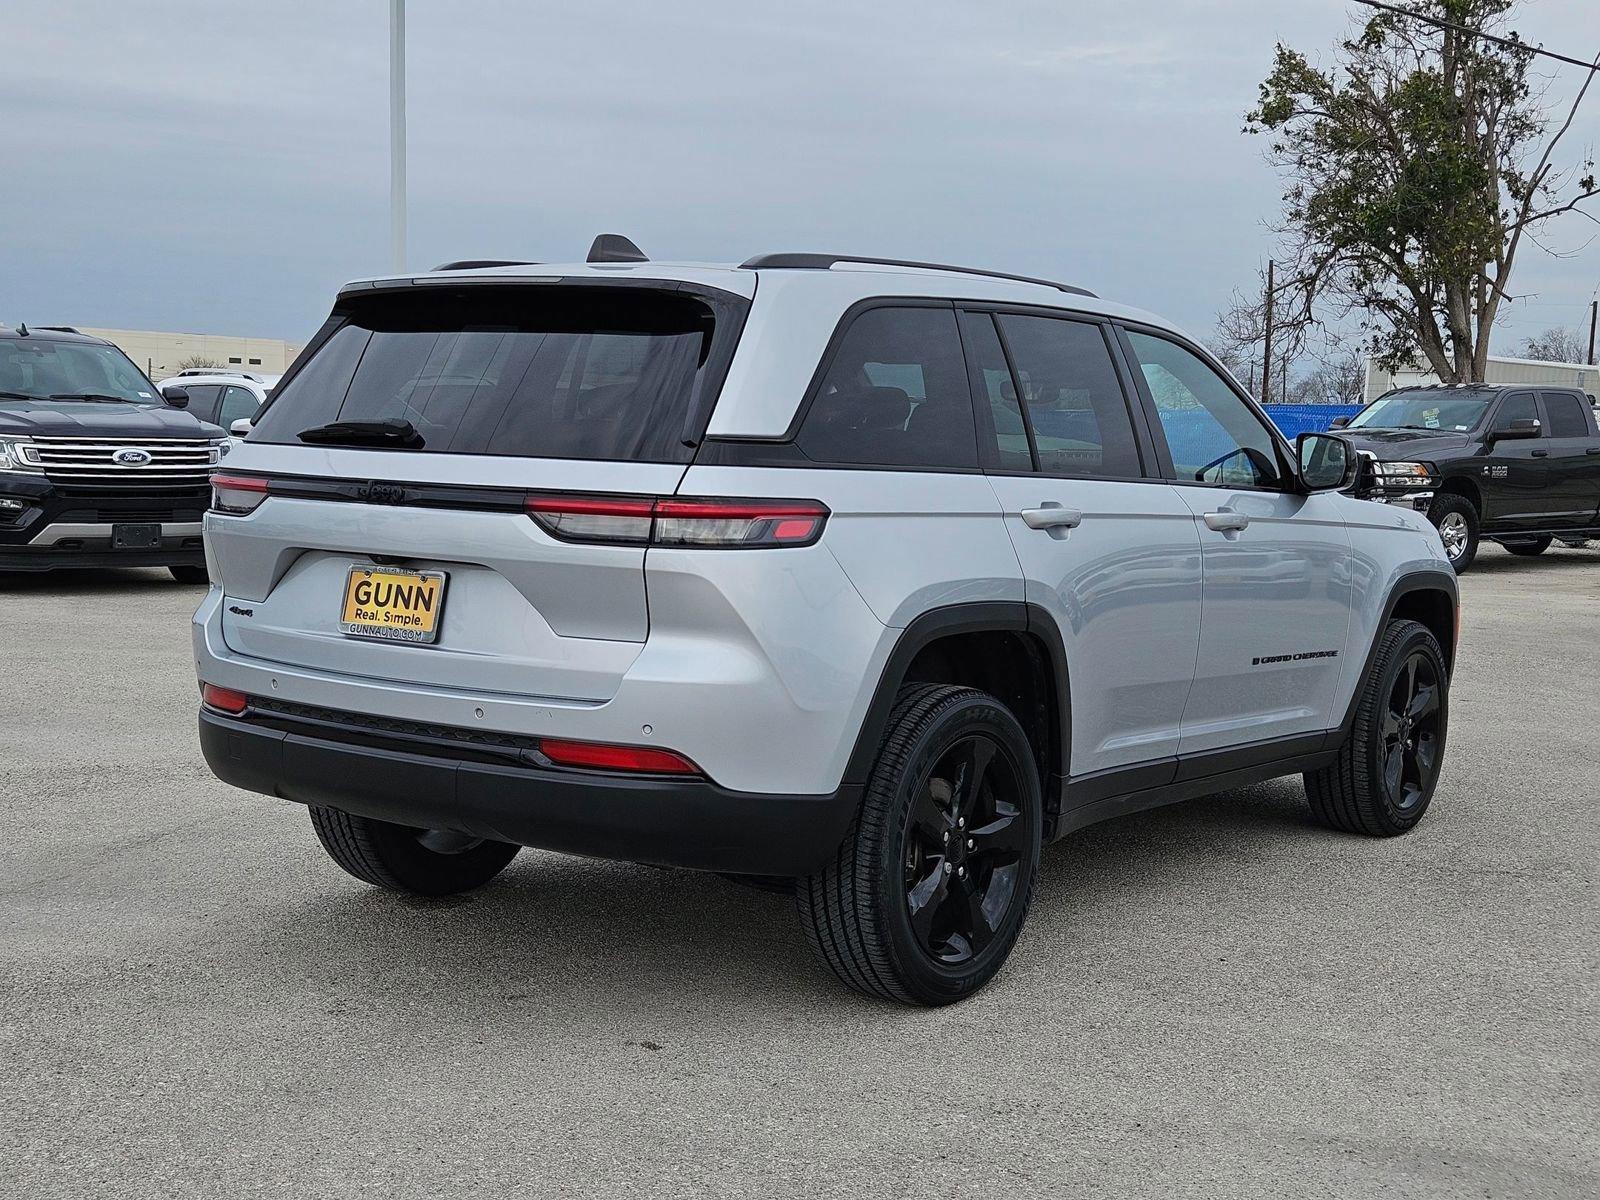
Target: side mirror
[
  {"x": 1327, "y": 462},
  {"x": 175, "y": 396},
  {"x": 1338, "y": 422},
  {"x": 241, "y": 427},
  {"x": 1524, "y": 427}
]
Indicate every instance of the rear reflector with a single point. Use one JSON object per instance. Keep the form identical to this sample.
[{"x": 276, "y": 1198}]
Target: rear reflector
[
  {"x": 223, "y": 699},
  {"x": 616, "y": 758},
  {"x": 730, "y": 523},
  {"x": 237, "y": 494}
]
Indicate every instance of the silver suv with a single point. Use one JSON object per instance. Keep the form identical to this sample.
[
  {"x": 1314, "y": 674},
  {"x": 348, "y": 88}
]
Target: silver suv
[{"x": 869, "y": 578}]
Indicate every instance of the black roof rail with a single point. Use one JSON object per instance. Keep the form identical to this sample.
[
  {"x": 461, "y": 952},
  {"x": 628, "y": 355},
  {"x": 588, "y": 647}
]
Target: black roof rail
[
  {"x": 477, "y": 264},
  {"x": 60, "y": 329},
  {"x": 822, "y": 262}
]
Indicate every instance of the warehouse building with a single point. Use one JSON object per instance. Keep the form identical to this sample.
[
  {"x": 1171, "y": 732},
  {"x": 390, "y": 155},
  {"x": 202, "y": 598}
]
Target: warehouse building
[
  {"x": 162, "y": 354},
  {"x": 1497, "y": 370}
]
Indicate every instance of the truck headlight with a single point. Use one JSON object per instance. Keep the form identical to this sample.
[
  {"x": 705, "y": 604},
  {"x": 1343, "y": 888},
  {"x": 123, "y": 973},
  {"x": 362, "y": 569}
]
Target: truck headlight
[
  {"x": 11, "y": 456},
  {"x": 1403, "y": 474}
]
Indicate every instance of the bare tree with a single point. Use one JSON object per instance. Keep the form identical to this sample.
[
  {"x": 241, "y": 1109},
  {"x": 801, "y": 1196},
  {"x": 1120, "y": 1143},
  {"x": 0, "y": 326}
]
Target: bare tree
[
  {"x": 196, "y": 361},
  {"x": 1556, "y": 345}
]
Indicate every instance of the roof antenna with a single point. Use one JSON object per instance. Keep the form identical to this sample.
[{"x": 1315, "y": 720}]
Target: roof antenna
[
  {"x": 22, "y": 329},
  {"x": 613, "y": 247}
]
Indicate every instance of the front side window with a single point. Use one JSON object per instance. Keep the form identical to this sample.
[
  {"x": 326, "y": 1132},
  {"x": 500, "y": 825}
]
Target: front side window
[
  {"x": 895, "y": 394},
  {"x": 1073, "y": 397},
  {"x": 1520, "y": 407},
  {"x": 536, "y": 372},
  {"x": 1213, "y": 435},
  {"x": 1567, "y": 418}
]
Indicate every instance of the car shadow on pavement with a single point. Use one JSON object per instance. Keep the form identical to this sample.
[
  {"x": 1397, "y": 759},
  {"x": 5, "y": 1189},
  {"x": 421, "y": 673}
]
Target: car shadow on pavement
[
  {"x": 554, "y": 932},
  {"x": 87, "y": 582}
]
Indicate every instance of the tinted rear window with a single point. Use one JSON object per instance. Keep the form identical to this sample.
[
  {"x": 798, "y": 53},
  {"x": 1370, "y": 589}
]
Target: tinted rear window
[
  {"x": 538, "y": 372},
  {"x": 1567, "y": 418}
]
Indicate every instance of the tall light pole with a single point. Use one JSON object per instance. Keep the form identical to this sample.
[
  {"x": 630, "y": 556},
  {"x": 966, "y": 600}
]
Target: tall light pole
[{"x": 397, "y": 135}]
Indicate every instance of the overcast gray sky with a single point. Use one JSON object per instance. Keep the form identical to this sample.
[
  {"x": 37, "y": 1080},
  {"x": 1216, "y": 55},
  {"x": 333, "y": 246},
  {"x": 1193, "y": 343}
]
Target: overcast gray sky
[{"x": 223, "y": 167}]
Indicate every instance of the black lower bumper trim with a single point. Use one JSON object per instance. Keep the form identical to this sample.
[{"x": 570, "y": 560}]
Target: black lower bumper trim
[{"x": 669, "y": 822}]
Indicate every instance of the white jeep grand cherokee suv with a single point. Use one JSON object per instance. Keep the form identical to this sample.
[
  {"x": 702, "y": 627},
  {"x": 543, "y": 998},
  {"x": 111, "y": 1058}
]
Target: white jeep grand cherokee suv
[{"x": 869, "y": 576}]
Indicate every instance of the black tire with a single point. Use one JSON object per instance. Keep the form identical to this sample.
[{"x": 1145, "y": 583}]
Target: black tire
[
  {"x": 422, "y": 862},
  {"x": 1530, "y": 547},
  {"x": 1457, "y": 522},
  {"x": 190, "y": 574},
  {"x": 947, "y": 751},
  {"x": 1358, "y": 793}
]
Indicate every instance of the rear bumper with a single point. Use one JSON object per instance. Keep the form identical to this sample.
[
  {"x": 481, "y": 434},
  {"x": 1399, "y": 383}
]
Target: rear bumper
[{"x": 667, "y": 821}]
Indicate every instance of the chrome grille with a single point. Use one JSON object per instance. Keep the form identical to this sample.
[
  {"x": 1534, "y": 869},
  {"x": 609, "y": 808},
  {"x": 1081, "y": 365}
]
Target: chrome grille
[{"x": 178, "y": 462}]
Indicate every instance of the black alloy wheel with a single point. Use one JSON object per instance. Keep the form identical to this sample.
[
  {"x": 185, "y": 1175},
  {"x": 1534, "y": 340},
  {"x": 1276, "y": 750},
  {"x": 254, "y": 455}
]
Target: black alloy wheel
[
  {"x": 1384, "y": 775},
  {"x": 1411, "y": 732},
  {"x": 966, "y": 844},
  {"x": 929, "y": 889}
]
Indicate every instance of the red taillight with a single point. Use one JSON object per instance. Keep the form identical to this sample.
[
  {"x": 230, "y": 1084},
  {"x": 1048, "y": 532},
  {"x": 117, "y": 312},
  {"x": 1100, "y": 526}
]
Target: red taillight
[
  {"x": 223, "y": 699},
  {"x": 236, "y": 494},
  {"x": 598, "y": 756},
  {"x": 593, "y": 518},
  {"x": 724, "y": 523}
]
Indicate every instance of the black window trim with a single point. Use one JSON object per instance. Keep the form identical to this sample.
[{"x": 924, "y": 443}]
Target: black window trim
[{"x": 1158, "y": 432}]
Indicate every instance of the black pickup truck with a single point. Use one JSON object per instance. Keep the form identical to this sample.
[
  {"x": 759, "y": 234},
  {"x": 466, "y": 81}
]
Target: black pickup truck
[
  {"x": 96, "y": 468},
  {"x": 1518, "y": 464}
]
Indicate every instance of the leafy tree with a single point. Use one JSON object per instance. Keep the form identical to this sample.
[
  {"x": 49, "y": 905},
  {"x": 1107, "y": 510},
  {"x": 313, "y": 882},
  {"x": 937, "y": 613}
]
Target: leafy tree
[
  {"x": 1556, "y": 345},
  {"x": 1416, "y": 169}
]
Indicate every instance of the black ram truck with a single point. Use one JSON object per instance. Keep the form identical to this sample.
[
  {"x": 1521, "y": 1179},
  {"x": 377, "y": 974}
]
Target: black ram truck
[
  {"x": 1518, "y": 464},
  {"x": 96, "y": 468}
]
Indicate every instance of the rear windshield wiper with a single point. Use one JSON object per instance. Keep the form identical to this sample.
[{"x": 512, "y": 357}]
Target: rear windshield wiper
[
  {"x": 391, "y": 431},
  {"x": 96, "y": 397}
]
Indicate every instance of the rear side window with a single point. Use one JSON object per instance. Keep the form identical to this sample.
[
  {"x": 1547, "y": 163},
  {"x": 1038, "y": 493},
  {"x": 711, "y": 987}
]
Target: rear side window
[
  {"x": 995, "y": 390},
  {"x": 538, "y": 372},
  {"x": 895, "y": 394},
  {"x": 1074, "y": 399},
  {"x": 1567, "y": 418}
]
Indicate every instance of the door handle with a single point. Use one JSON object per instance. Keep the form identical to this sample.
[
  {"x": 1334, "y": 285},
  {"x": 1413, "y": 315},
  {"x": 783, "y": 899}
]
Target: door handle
[
  {"x": 1051, "y": 516},
  {"x": 1226, "y": 521},
  {"x": 1541, "y": 454},
  {"x": 1591, "y": 449}
]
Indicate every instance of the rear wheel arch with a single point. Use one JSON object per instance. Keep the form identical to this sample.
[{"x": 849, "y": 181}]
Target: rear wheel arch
[{"x": 1009, "y": 649}]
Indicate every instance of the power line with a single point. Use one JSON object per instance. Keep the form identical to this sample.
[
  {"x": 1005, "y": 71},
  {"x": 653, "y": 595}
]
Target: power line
[{"x": 1478, "y": 33}]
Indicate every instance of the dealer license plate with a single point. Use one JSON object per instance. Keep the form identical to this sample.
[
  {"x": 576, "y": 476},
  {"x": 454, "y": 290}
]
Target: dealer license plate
[{"x": 398, "y": 605}]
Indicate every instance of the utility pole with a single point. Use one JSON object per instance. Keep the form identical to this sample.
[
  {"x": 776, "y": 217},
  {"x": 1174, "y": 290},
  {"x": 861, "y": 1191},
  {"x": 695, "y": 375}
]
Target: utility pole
[
  {"x": 1594, "y": 317},
  {"x": 1266, "y": 355},
  {"x": 397, "y": 135}
]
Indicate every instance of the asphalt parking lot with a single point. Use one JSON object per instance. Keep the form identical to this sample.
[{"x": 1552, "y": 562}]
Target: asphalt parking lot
[{"x": 1213, "y": 999}]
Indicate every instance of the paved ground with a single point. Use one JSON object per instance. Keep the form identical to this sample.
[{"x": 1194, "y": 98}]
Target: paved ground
[{"x": 1215, "y": 999}]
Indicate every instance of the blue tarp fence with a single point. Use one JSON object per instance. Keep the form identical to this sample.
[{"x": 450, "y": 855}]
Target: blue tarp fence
[{"x": 1295, "y": 419}]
